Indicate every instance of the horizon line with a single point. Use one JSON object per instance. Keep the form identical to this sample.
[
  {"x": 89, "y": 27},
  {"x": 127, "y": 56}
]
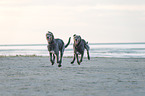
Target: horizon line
[{"x": 72, "y": 43}]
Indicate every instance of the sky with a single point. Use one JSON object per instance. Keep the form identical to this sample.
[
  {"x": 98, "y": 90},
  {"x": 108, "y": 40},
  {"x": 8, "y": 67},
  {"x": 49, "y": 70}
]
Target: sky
[{"x": 96, "y": 21}]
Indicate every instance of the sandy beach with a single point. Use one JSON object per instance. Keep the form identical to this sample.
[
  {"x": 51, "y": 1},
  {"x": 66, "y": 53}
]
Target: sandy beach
[{"x": 35, "y": 76}]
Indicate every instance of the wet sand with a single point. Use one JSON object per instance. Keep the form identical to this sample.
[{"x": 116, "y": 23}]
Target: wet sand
[{"x": 35, "y": 76}]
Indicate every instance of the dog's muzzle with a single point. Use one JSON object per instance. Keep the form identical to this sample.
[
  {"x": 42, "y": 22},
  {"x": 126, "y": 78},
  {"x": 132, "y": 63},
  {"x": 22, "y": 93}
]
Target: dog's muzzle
[{"x": 76, "y": 41}]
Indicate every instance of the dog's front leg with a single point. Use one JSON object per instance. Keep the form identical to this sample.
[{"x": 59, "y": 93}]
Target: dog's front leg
[
  {"x": 53, "y": 57},
  {"x": 59, "y": 64},
  {"x": 73, "y": 58},
  {"x": 52, "y": 61},
  {"x": 77, "y": 59},
  {"x": 82, "y": 55}
]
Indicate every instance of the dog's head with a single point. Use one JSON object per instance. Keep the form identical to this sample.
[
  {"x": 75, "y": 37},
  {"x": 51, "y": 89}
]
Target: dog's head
[
  {"x": 49, "y": 37},
  {"x": 77, "y": 39}
]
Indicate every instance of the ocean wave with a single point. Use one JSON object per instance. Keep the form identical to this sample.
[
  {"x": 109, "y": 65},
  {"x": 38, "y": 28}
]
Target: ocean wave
[{"x": 96, "y": 50}]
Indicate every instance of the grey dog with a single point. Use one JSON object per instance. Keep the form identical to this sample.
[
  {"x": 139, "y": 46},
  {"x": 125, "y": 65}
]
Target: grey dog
[
  {"x": 79, "y": 47},
  {"x": 55, "y": 46}
]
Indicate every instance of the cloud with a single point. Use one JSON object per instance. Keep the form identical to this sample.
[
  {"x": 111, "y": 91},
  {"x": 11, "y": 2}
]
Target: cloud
[
  {"x": 121, "y": 7},
  {"x": 14, "y": 2}
]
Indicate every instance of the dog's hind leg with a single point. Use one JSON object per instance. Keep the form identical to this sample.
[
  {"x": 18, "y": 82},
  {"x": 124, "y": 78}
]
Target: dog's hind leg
[
  {"x": 87, "y": 48},
  {"x": 73, "y": 59},
  {"x": 88, "y": 54}
]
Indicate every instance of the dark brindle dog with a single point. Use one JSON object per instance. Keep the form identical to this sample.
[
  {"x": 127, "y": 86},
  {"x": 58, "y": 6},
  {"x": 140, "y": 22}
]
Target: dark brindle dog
[
  {"x": 79, "y": 47},
  {"x": 55, "y": 46}
]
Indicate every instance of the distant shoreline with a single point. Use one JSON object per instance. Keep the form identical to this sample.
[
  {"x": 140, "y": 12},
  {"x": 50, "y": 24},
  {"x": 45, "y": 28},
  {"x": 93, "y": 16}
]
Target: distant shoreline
[
  {"x": 107, "y": 50},
  {"x": 1, "y": 56},
  {"x": 72, "y": 43}
]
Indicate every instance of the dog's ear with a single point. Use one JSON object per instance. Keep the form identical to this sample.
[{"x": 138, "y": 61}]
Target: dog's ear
[
  {"x": 80, "y": 37},
  {"x": 74, "y": 35},
  {"x": 50, "y": 33},
  {"x": 47, "y": 34}
]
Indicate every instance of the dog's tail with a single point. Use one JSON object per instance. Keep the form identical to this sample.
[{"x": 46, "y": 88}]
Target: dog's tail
[{"x": 68, "y": 42}]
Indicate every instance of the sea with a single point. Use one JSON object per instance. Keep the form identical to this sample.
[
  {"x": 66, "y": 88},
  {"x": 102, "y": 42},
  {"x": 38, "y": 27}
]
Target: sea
[{"x": 112, "y": 50}]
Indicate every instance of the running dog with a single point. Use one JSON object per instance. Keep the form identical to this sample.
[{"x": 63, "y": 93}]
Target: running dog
[
  {"x": 55, "y": 46},
  {"x": 79, "y": 47}
]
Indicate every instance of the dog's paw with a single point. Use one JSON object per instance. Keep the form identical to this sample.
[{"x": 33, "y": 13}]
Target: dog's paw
[
  {"x": 88, "y": 58},
  {"x": 78, "y": 63},
  {"x": 72, "y": 62},
  {"x": 59, "y": 65},
  {"x": 52, "y": 63}
]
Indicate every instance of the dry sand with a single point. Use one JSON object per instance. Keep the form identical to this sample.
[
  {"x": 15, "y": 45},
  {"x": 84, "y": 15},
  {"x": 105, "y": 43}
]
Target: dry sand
[{"x": 35, "y": 76}]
